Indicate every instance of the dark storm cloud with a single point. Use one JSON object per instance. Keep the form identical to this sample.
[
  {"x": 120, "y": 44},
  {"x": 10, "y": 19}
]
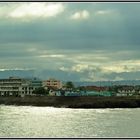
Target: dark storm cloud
[{"x": 112, "y": 28}]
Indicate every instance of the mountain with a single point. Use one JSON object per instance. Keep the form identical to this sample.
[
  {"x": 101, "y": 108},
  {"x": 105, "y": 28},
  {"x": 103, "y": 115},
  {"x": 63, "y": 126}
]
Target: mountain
[
  {"x": 63, "y": 76},
  {"x": 108, "y": 83}
]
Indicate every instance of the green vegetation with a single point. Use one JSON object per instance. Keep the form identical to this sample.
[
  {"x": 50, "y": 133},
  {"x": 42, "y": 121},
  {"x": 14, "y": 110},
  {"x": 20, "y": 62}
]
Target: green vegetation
[
  {"x": 70, "y": 85},
  {"x": 41, "y": 91}
]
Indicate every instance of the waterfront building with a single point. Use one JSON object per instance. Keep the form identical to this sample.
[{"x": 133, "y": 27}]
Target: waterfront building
[
  {"x": 52, "y": 83},
  {"x": 52, "y": 93},
  {"x": 94, "y": 88},
  {"x": 35, "y": 82},
  {"x": 14, "y": 86},
  {"x": 11, "y": 86}
]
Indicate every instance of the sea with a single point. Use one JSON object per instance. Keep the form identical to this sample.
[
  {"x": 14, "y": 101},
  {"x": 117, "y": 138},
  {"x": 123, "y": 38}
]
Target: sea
[{"x": 50, "y": 122}]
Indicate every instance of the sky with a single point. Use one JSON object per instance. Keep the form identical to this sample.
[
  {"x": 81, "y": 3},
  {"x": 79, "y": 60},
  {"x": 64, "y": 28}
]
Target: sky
[{"x": 89, "y": 41}]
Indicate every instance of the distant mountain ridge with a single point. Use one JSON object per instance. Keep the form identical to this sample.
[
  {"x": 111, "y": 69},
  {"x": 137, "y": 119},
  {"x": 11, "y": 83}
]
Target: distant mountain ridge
[
  {"x": 108, "y": 83},
  {"x": 63, "y": 77}
]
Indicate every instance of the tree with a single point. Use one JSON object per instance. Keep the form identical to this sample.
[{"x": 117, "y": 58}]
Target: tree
[
  {"x": 69, "y": 85},
  {"x": 81, "y": 88},
  {"x": 62, "y": 92},
  {"x": 40, "y": 91}
]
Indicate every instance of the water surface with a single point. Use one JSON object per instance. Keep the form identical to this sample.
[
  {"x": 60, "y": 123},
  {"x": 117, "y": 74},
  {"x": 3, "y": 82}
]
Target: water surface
[{"x": 29, "y": 121}]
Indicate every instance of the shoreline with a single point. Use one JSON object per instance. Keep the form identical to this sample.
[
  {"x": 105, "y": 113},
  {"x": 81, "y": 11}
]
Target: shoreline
[{"x": 87, "y": 102}]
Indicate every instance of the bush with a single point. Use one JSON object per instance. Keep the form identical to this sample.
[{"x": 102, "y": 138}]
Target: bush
[{"x": 40, "y": 91}]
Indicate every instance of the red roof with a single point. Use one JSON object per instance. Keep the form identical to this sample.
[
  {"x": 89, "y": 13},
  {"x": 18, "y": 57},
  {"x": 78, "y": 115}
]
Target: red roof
[{"x": 95, "y": 88}]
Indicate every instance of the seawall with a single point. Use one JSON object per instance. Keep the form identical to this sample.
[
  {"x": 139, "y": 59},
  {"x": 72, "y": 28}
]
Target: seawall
[{"x": 74, "y": 102}]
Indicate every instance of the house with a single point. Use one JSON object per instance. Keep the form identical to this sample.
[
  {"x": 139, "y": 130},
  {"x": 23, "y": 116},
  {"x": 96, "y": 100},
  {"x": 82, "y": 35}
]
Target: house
[{"x": 52, "y": 93}]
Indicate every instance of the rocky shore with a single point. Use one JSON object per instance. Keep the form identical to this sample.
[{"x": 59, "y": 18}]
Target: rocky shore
[{"x": 73, "y": 102}]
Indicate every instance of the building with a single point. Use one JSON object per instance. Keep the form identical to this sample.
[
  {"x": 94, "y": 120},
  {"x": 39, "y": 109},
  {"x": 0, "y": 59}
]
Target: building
[
  {"x": 14, "y": 86},
  {"x": 52, "y": 83},
  {"x": 35, "y": 82},
  {"x": 11, "y": 86},
  {"x": 93, "y": 88}
]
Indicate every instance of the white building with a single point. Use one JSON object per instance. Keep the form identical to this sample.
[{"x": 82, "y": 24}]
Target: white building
[{"x": 16, "y": 87}]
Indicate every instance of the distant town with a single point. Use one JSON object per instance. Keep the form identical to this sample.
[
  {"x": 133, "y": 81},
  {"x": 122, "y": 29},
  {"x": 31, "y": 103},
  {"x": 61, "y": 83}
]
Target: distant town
[{"x": 20, "y": 87}]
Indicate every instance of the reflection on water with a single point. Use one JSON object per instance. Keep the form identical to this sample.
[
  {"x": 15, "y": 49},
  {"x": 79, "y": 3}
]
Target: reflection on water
[{"x": 28, "y": 121}]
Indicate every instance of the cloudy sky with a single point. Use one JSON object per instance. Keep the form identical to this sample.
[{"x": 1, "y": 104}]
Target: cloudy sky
[{"x": 70, "y": 41}]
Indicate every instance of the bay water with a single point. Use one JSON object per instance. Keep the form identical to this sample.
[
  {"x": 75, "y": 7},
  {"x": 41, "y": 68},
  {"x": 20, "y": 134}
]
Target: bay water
[{"x": 49, "y": 122}]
